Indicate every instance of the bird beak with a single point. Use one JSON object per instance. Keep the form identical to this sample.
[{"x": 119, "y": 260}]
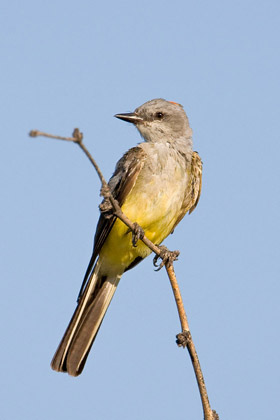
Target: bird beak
[{"x": 130, "y": 117}]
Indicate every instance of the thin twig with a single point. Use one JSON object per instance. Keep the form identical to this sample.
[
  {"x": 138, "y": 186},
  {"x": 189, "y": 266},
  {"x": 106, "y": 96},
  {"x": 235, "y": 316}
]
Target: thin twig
[
  {"x": 184, "y": 339},
  {"x": 105, "y": 190}
]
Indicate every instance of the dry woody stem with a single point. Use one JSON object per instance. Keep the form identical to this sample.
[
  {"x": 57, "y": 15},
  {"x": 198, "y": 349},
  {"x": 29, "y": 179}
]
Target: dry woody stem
[{"x": 184, "y": 339}]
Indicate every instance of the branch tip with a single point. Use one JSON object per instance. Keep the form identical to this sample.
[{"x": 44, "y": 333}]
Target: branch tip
[{"x": 33, "y": 133}]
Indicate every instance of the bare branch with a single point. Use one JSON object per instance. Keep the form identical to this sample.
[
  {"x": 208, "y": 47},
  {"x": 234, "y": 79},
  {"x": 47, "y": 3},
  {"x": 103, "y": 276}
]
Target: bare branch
[
  {"x": 105, "y": 190},
  {"x": 184, "y": 339}
]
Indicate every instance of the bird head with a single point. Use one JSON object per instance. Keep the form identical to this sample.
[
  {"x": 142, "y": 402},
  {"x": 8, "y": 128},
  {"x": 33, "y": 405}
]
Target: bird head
[{"x": 159, "y": 120}]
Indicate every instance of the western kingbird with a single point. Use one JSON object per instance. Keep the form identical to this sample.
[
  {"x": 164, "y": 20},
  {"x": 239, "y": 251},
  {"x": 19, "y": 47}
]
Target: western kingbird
[{"x": 156, "y": 183}]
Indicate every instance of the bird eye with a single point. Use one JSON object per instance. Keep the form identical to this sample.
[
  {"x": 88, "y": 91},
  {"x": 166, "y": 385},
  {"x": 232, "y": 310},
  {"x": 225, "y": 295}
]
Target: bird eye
[{"x": 159, "y": 115}]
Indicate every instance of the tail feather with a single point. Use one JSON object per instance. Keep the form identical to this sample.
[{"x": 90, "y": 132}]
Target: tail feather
[
  {"x": 76, "y": 343},
  {"x": 89, "y": 326}
]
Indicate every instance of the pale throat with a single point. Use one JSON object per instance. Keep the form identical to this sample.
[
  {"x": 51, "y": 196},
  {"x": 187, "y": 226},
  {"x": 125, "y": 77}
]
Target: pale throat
[{"x": 158, "y": 135}]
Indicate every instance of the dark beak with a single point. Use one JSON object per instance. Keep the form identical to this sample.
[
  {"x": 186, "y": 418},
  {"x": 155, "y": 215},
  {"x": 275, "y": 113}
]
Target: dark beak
[{"x": 130, "y": 117}]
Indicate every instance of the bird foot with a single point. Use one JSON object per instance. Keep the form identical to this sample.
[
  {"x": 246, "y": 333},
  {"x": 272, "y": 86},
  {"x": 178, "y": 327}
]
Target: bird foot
[
  {"x": 168, "y": 257},
  {"x": 106, "y": 207},
  {"x": 137, "y": 233}
]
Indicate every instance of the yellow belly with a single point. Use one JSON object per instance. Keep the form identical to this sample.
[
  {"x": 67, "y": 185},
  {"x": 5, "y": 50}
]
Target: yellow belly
[{"x": 155, "y": 210}]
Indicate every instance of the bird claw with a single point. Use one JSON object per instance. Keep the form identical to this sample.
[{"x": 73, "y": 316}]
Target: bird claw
[
  {"x": 168, "y": 257},
  {"x": 106, "y": 207},
  {"x": 137, "y": 233}
]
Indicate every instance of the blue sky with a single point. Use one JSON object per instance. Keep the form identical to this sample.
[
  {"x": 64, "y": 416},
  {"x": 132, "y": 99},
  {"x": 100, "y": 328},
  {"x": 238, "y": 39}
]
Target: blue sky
[{"x": 69, "y": 64}]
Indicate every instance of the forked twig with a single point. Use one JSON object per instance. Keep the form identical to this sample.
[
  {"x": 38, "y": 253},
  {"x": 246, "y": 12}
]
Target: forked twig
[
  {"x": 184, "y": 339},
  {"x": 105, "y": 190}
]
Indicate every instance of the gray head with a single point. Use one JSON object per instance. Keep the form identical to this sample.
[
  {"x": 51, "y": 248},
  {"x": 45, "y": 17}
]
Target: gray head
[{"x": 160, "y": 120}]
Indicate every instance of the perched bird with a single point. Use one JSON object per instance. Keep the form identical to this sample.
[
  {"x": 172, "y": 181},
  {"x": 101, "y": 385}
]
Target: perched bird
[{"x": 156, "y": 183}]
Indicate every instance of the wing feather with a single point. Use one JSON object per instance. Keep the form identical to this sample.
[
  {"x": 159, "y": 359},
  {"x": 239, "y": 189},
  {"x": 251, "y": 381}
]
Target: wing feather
[
  {"x": 196, "y": 181},
  {"x": 121, "y": 183},
  {"x": 194, "y": 188}
]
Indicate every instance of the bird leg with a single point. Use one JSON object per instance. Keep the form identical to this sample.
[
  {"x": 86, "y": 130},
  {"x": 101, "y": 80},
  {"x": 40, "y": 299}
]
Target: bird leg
[{"x": 168, "y": 257}]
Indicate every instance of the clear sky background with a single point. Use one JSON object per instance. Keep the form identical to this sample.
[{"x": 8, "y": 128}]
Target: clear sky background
[{"x": 67, "y": 64}]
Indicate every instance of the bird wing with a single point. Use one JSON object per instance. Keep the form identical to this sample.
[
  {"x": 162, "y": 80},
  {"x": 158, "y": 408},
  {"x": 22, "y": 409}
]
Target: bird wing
[
  {"x": 193, "y": 190},
  {"x": 196, "y": 181},
  {"x": 121, "y": 183}
]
